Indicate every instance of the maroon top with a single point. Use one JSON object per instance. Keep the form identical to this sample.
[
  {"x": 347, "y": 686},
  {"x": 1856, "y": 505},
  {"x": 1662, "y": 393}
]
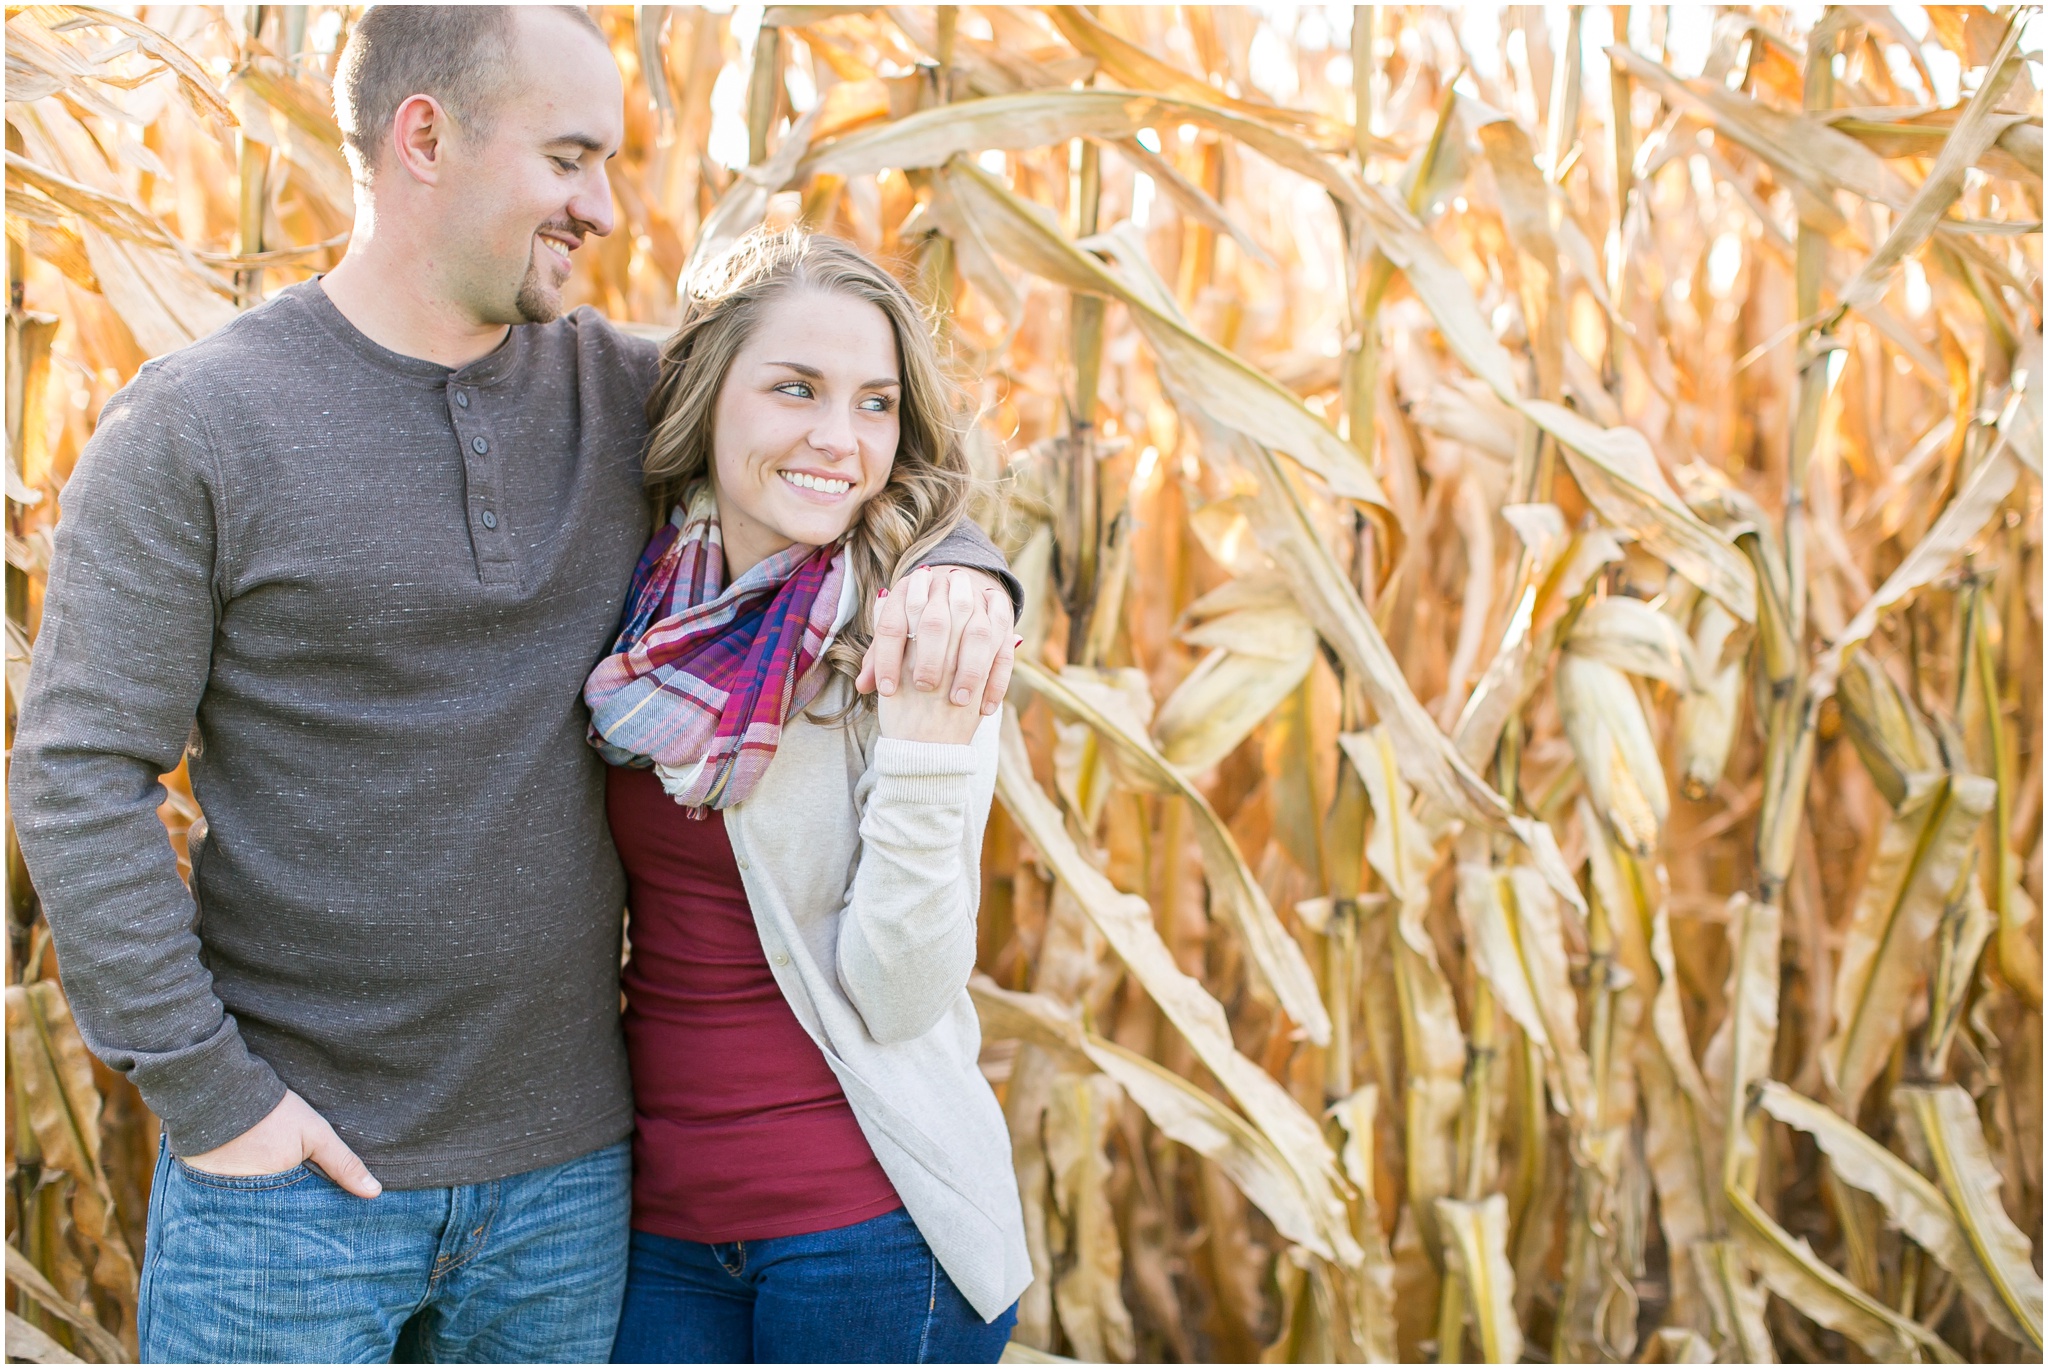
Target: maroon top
[{"x": 741, "y": 1130}]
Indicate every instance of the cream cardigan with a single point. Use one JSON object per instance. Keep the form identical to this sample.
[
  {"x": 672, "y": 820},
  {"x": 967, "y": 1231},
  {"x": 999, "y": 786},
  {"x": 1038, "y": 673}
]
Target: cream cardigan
[{"x": 861, "y": 857}]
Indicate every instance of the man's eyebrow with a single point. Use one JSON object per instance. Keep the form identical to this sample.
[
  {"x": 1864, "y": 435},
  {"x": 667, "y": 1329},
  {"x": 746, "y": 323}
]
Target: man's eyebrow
[
  {"x": 582, "y": 140},
  {"x": 813, "y": 373}
]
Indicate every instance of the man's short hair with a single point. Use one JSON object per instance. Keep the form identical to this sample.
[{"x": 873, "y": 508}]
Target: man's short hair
[{"x": 459, "y": 54}]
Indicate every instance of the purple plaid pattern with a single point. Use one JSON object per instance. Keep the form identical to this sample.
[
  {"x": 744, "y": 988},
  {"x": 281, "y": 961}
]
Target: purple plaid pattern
[{"x": 703, "y": 673}]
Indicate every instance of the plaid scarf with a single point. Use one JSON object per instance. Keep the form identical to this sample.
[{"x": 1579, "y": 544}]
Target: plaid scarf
[{"x": 703, "y": 672}]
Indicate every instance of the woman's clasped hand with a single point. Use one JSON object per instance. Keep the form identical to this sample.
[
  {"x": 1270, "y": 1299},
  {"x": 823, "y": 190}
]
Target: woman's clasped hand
[{"x": 937, "y": 614}]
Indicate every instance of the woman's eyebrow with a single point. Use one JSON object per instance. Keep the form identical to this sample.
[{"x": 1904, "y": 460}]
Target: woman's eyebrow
[{"x": 813, "y": 373}]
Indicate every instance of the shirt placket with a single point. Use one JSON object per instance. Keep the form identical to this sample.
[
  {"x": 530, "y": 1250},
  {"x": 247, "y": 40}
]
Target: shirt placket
[{"x": 481, "y": 457}]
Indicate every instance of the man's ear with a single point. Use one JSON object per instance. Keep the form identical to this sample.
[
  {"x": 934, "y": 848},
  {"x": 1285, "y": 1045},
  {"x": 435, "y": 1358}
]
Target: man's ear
[{"x": 420, "y": 131}]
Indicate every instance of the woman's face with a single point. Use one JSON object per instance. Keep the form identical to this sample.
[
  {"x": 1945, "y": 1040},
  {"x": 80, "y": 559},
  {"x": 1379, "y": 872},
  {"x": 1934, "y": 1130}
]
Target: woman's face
[{"x": 804, "y": 431}]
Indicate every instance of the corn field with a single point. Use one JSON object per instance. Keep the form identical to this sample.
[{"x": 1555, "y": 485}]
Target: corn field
[{"x": 1520, "y": 829}]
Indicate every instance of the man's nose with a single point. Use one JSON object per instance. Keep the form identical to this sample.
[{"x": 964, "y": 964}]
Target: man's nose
[{"x": 592, "y": 206}]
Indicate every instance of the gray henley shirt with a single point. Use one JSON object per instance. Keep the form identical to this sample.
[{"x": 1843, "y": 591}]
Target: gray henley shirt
[{"x": 362, "y": 592}]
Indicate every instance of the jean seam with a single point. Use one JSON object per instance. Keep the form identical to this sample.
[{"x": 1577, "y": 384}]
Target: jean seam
[
  {"x": 152, "y": 1255},
  {"x": 475, "y": 1243},
  {"x": 249, "y": 1183},
  {"x": 931, "y": 1306}
]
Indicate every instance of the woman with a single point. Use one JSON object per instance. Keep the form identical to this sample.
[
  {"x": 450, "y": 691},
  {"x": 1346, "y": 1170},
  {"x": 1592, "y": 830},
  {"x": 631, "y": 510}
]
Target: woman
[{"x": 821, "y": 1172}]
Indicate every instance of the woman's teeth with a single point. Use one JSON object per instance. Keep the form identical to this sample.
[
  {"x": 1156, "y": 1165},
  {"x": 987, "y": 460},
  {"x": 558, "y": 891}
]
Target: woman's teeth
[{"x": 818, "y": 483}]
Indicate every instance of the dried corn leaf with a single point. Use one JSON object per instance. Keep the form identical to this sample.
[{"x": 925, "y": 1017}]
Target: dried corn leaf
[
  {"x": 1125, "y": 922},
  {"x": 30, "y": 1345},
  {"x": 1946, "y": 1139},
  {"x": 1135, "y": 67},
  {"x": 29, "y": 1279},
  {"x": 1277, "y": 955},
  {"x": 1635, "y": 638},
  {"x": 1476, "y": 1251},
  {"x": 1513, "y": 935},
  {"x": 1973, "y": 135},
  {"x": 1230, "y": 393},
  {"x": 1965, "y": 517},
  {"x": 1813, "y": 159},
  {"x": 1432, "y": 1043},
  {"x": 1210, "y": 1129},
  {"x": 1428, "y": 759},
  {"x": 1910, "y": 1202},
  {"x": 1709, "y": 710},
  {"x": 1739, "y": 1055},
  {"x": 1222, "y": 699},
  {"x": 1736, "y": 1301},
  {"x": 1888, "y": 732},
  {"x": 1038, "y": 118},
  {"x": 53, "y": 1073},
  {"x": 1610, "y": 737},
  {"x": 1087, "y": 1292},
  {"x": 1620, "y": 475},
  {"x": 1797, "y": 1275},
  {"x": 1966, "y": 928},
  {"x": 1373, "y": 1319},
  {"x": 1922, "y": 858}
]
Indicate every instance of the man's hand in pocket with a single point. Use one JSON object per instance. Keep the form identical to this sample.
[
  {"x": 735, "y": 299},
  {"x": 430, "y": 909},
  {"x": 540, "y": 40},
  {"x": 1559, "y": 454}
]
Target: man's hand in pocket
[{"x": 292, "y": 1132}]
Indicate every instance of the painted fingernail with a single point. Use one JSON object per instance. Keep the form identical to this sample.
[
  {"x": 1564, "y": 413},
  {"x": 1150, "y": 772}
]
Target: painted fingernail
[
  {"x": 1019, "y": 642},
  {"x": 882, "y": 593}
]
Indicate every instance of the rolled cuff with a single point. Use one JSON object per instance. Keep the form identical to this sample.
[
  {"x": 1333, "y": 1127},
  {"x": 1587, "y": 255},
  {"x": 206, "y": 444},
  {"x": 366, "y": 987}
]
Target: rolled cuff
[
  {"x": 924, "y": 772},
  {"x": 210, "y": 1094}
]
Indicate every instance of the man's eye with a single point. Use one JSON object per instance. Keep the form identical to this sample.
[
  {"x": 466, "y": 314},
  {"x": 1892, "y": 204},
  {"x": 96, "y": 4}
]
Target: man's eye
[
  {"x": 565, "y": 164},
  {"x": 795, "y": 388}
]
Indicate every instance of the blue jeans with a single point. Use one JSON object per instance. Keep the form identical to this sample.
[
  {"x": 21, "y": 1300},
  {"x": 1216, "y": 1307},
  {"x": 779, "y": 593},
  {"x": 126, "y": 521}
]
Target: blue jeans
[
  {"x": 288, "y": 1268},
  {"x": 869, "y": 1293}
]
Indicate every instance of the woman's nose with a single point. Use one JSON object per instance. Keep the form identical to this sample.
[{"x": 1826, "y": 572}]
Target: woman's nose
[{"x": 834, "y": 435}]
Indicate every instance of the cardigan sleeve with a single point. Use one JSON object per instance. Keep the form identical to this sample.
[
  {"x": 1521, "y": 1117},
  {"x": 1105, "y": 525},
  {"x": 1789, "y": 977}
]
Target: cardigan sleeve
[{"x": 907, "y": 934}]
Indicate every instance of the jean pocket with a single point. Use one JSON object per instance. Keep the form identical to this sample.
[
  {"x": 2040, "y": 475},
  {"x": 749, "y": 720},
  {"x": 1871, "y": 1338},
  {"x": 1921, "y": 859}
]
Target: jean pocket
[{"x": 249, "y": 1183}]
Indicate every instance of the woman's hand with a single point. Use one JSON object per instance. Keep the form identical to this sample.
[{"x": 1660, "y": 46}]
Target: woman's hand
[
  {"x": 979, "y": 667},
  {"x": 954, "y": 620}
]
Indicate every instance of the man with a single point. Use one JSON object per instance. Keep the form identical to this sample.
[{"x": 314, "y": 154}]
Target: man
[{"x": 362, "y": 547}]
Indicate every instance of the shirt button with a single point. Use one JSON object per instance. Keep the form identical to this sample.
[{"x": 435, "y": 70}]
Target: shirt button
[
  {"x": 741, "y": 862},
  {"x": 479, "y": 446},
  {"x": 781, "y": 959},
  {"x": 462, "y": 398},
  {"x": 490, "y": 519}
]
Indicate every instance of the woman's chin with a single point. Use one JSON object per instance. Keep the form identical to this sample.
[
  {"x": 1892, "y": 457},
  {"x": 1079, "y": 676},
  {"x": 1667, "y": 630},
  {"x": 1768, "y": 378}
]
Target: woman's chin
[
  {"x": 815, "y": 525},
  {"x": 814, "y": 532}
]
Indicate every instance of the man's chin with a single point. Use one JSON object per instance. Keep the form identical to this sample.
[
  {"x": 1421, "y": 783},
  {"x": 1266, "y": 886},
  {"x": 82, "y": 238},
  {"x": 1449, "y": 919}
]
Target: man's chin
[{"x": 536, "y": 305}]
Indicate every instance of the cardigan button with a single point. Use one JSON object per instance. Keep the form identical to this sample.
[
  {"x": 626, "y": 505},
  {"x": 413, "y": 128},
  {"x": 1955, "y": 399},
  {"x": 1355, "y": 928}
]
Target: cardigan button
[{"x": 781, "y": 959}]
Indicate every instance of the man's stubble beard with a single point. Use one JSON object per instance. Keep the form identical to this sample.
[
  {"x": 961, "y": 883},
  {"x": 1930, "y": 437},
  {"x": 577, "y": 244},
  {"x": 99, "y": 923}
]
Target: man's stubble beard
[{"x": 532, "y": 301}]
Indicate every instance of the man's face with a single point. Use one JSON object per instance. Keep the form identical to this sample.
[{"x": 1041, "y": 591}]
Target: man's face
[{"x": 522, "y": 197}]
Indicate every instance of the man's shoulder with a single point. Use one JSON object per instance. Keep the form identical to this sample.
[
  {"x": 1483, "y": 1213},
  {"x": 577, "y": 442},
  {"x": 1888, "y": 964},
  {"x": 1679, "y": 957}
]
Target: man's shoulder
[
  {"x": 634, "y": 346},
  {"x": 252, "y": 345}
]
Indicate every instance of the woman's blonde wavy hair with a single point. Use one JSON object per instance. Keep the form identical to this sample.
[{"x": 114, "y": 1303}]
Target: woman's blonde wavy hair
[{"x": 928, "y": 488}]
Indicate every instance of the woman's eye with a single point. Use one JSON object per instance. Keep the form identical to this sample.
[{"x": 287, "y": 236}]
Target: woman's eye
[
  {"x": 795, "y": 388},
  {"x": 879, "y": 404}
]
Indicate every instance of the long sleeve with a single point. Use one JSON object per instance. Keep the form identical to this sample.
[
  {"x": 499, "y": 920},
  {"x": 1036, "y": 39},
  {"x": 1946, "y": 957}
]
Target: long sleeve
[
  {"x": 967, "y": 545},
  {"x": 907, "y": 935},
  {"x": 121, "y": 662}
]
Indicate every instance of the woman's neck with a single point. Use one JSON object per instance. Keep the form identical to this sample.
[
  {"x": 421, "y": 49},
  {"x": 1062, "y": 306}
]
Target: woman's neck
[{"x": 746, "y": 543}]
